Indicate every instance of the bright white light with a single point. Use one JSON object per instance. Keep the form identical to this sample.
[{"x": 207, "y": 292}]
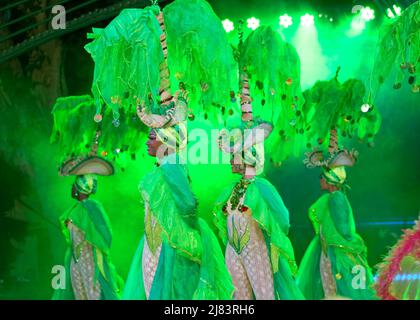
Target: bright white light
[
  {"x": 365, "y": 108},
  {"x": 389, "y": 13},
  {"x": 253, "y": 23},
  {"x": 331, "y": 19},
  {"x": 367, "y": 14},
  {"x": 228, "y": 25},
  {"x": 307, "y": 20},
  {"x": 286, "y": 21},
  {"x": 397, "y": 10}
]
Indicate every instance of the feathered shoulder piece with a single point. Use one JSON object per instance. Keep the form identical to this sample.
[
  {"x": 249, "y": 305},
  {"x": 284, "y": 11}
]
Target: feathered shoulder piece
[{"x": 392, "y": 267}]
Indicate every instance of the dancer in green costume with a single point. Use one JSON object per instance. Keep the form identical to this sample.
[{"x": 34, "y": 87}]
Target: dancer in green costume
[
  {"x": 149, "y": 60},
  {"x": 90, "y": 274},
  {"x": 253, "y": 221},
  {"x": 335, "y": 263},
  {"x": 178, "y": 257}
]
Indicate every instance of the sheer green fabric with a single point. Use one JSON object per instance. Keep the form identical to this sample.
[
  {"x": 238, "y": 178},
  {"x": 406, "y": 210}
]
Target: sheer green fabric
[
  {"x": 273, "y": 67},
  {"x": 398, "y": 52},
  {"x": 90, "y": 217},
  {"x": 134, "y": 285},
  {"x": 331, "y": 104},
  {"x": 269, "y": 211},
  {"x": 127, "y": 56},
  {"x": 309, "y": 276},
  {"x": 180, "y": 278},
  {"x": 75, "y": 128},
  {"x": 335, "y": 230},
  {"x": 200, "y": 56},
  {"x": 215, "y": 281},
  {"x": 167, "y": 191},
  {"x": 191, "y": 263}
]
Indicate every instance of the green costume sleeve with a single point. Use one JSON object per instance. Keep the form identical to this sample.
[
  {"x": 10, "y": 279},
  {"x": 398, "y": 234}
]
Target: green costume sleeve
[
  {"x": 219, "y": 214},
  {"x": 172, "y": 203},
  {"x": 215, "y": 282},
  {"x": 273, "y": 217},
  {"x": 275, "y": 203},
  {"x": 177, "y": 179},
  {"x": 100, "y": 219},
  {"x": 341, "y": 214},
  {"x": 90, "y": 217}
]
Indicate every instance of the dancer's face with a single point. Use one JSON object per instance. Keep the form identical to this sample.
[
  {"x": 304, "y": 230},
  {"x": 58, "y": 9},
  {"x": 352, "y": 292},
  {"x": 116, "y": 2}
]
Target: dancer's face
[
  {"x": 153, "y": 143},
  {"x": 76, "y": 195},
  {"x": 324, "y": 184}
]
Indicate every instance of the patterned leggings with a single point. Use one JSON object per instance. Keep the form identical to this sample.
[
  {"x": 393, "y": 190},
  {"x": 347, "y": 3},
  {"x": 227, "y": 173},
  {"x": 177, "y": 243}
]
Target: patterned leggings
[
  {"x": 250, "y": 270},
  {"x": 83, "y": 270},
  {"x": 149, "y": 266},
  {"x": 328, "y": 281}
]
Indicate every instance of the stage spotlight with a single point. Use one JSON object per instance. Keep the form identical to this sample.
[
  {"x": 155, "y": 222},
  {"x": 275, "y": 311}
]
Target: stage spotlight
[
  {"x": 286, "y": 21},
  {"x": 390, "y": 14},
  {"x": 307, "y": 20},
  {"x": 253, "y": 23},
  {"x": 367, "y": 14},
  {"x": 228, "y": 25},
  {"x": 397, "y": 10},
  {"x": 394, "y": 11}
]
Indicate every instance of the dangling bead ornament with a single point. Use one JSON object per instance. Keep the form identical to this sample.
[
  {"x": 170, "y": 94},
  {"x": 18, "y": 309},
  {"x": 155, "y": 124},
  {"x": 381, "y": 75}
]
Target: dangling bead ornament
[
  {"x": 97, "y": 118},
  {"x": 116, "y": 123}
]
